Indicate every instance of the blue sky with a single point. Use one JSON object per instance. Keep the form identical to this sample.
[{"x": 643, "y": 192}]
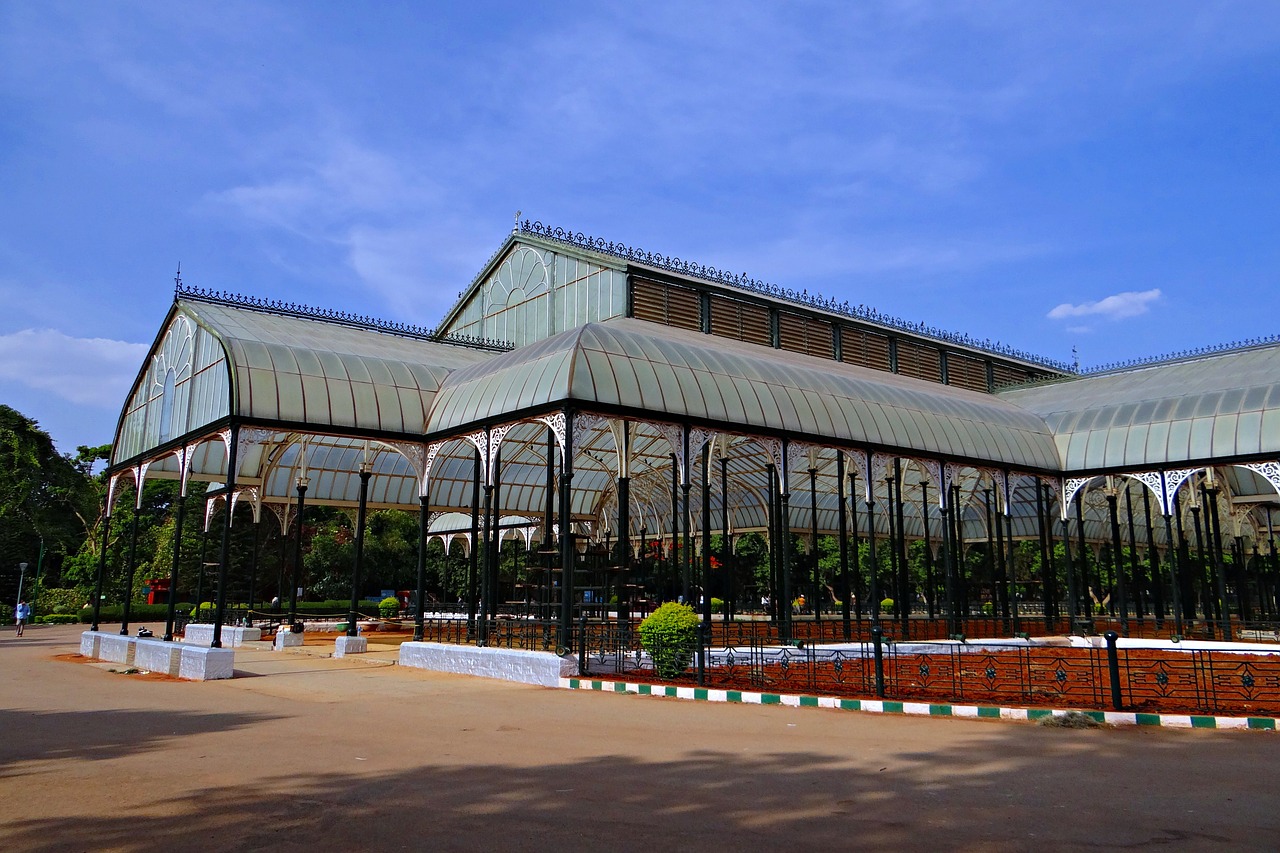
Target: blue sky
[{"x": 1049, "y": 175}]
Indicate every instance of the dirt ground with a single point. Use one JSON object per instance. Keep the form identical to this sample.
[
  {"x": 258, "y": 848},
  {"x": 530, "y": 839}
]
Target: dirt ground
[{"x": 304, "y": 752}]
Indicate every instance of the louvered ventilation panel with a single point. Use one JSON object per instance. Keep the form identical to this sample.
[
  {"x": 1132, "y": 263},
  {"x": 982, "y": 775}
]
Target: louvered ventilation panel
[
  {"x": 966, "y": 372},
  {"x": 919, "y": 361},
  {"x": 1006, "y": 375},
  {"x": 804, "y": 334},
  {"x": 740, "y": 321},
  {"x": 867, "y": 349},
  {"x": 665, "y": 304},
  {"x": 649, "y": 301},
  {"x": 684, "y": 310}
]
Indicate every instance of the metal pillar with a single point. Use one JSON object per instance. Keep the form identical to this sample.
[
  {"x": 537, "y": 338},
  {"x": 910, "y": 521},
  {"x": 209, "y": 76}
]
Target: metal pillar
[
  {"x": 1153, "y": 561},
  {"x": 1213, "y": 524},
  {"x": 706, "y": 538},
  {"x": 173, "y": 570},
  {"x": 816, "y": 600},
  {"x": 903, "y": 595},
  {"x": 224, "y": 566},
  {"x": 996, "y": 559},
  {"x": 929, "y": 580},
  {"x": 1117, "y": 560},
  {"x": 1073, "y": 599},
  {"x": 353, "y": 617},
  {"x": 856, "y": 591},
  {"x": 1084, "y": 559},
  {"x": 873, "y": 576},
  {"x": 302, "y": 483},
  {"x": 728, "y": 560},
  {"x": 473, "y": 556},
  {"x": 566, "y": 535},
  {"x": 843, "y": 522},
  {"x": 424, "y": 517},
  {"x": 1046, "y": 591},
  {"x": 1135, "y": 571}
]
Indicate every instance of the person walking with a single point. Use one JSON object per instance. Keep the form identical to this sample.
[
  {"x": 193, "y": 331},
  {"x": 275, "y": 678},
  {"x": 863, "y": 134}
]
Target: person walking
[{"x": 21, "y": 615}]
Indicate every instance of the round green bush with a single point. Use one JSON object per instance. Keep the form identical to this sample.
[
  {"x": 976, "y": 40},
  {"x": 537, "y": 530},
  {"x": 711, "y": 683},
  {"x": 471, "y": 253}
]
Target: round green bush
[
  {"x": 389, "y": 607},
  {"x": 886, "y": 604},
  {"x": 670, "y": 636}
]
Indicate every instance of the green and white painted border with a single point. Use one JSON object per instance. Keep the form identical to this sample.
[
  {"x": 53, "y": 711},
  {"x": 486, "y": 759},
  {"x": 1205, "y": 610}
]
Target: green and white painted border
[{"x": 925, "y": 709}]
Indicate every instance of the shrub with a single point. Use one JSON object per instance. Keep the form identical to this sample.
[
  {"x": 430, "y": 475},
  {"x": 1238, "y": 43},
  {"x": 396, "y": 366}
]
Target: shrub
[
  {"x": 717, "y": 605},
  {"x": 60, "y": 619},
  {"x": 670, "y": 636},
  {"x": 886, "y": 604},
  {"x": 988, "y": 609},
  {"x": 57, "y": 600},
  {"x": 389, "y": 607}
]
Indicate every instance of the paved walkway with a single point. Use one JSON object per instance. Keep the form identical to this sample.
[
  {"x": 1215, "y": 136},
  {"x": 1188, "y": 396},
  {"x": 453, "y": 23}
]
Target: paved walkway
[{"x": 304, "y": 752}]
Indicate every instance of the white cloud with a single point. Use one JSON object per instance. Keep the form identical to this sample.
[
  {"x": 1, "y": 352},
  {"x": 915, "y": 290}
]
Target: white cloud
[
  {"x": 1119, "y": 306},
  {"x": 85, "y": 371}
]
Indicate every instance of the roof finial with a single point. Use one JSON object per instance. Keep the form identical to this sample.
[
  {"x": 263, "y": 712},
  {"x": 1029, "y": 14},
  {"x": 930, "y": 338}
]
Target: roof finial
[
  {"x": 177, "y": 279},
  {"x": 1075, "y": 359},
  {"x": 516, "y": 225}
]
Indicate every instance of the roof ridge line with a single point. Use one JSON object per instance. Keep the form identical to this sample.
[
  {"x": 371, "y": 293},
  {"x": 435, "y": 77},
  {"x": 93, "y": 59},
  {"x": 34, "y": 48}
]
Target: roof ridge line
[
  {"x": 863, "y": 313},
  {"x": 332, "y": 315}
]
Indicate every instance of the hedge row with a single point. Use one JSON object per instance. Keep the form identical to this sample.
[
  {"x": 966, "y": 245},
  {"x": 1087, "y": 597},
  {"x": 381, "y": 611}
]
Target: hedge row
[
  {"x": 156, "y": 612},
  {"x": 137, "y": 613}
]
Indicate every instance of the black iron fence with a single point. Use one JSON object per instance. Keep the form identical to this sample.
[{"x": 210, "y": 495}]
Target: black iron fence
[{"x": 1098, "y": 674}]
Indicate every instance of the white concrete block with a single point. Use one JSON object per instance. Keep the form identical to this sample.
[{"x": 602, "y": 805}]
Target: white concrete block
[
  {"x": 527, "y": 667},
  {"x": 199, "y": 663},
  {"x": 233, "y": 636},
  {"x": 286, "y": 638},
  {"x": 90, "y": 642},
  {"x": 157, "y": 656},
  {"x": 116, "y": 648},
  {"x": 345, "y": 645}
]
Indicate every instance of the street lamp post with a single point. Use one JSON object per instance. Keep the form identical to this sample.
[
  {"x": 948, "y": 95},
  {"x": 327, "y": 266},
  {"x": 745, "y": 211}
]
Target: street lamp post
[{"x": 22, "y": 573}]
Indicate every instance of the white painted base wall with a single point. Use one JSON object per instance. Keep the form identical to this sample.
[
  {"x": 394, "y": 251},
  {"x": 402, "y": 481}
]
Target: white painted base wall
[
  {"x": 542, "y": 668},
  {"x": 233, "y": 636},
  {"x": 345, "y": 645},
  {"x": 182, "y": 660},
  {"x": 157, "y": 656},
  {"x": 286, "y": 638}
]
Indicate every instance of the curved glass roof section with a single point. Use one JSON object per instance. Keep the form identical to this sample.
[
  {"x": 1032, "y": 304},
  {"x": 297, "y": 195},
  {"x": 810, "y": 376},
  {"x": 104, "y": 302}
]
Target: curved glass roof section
[
  {"x": 672, "y": 374},
  {"x": 1218, "y": 407},
  {"x": 290, "y": 370},
  {"x": 326, "y": 374}
]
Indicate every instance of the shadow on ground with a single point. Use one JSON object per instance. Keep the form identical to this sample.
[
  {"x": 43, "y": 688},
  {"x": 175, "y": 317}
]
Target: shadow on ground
[
  {"x": 1013, "y": 793},
  {"x": 99, "y": 735}
]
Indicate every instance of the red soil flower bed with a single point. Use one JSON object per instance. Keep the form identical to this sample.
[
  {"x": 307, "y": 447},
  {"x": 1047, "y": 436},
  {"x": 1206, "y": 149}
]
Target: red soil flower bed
[{"x": 1151, "y": 680}]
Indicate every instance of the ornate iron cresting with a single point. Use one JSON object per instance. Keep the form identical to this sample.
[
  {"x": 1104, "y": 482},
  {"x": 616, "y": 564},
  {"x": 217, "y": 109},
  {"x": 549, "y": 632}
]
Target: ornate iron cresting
[
  {"x": 799, "y": 297},
  {"x": 1197, "y": 352},
  {"x": 359, "y": 321}
]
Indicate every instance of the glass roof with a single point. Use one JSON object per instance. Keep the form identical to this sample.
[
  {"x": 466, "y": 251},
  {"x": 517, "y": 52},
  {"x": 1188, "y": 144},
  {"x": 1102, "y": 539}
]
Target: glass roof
[
  {"x": 676, "y": 375},
  {"x": 305, "y": 371},
  {"x": 1224, "y": 406}
]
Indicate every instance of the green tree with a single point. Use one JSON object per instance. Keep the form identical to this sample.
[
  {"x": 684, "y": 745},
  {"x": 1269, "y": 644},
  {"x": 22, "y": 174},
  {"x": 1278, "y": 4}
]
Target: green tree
[{"x": 47, "y": 501}]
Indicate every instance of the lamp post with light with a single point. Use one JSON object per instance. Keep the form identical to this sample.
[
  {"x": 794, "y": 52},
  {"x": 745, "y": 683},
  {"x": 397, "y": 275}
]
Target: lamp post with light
[{"x": 22, "y": 573}]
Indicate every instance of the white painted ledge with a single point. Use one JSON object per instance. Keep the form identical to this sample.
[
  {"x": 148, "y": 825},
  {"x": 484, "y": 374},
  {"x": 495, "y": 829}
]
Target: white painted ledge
[
  {"x": 157, "y": 656},
  {"x": 286, "y": 638},
  {"x": 542, "y": 668},
  {"x": 199, "y": 663},
  {"x": 182, "y": 660},
  {"x": 345, "y": 645},
  {"x": 233, "y": 636}
]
